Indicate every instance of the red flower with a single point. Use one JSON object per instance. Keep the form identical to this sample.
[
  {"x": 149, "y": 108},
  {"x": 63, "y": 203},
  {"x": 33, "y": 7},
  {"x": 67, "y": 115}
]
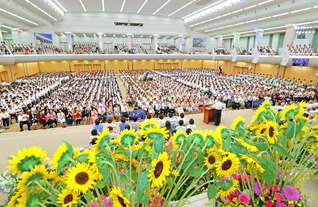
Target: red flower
[
  {"x": 275, "y": 188},
  {"x": 269, "y": 203},
  {"x": 279, "y": 197},
  {"x": 244, "y": 199}
]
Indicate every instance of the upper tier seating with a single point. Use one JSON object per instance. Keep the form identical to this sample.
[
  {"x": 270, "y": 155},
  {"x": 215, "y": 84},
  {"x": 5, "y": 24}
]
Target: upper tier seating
[
  {"x": 198, "y": 50},
  {"x": 301, "y": 50}
]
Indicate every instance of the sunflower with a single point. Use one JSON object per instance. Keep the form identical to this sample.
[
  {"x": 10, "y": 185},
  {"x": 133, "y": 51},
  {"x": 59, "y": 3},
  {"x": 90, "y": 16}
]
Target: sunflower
[
  {"x": 160, "y": 169},
  {"x": 92, "y": 159},
  {"x": 102, "y": 141},
  {"x": 175, "y": 173},
  {"x": 228, "y": 165},
  {"x": 261, "y": 130},
  {"x": 127, "y": 137},
  {"x": 218, "y": 135},
  {"x": 153, "y": 133},
  {"x": 239, "y": 121},
  {"x": 81, "y": 177},
  {"x": 137, "y": 146},
  {"x": 197, "y": 137},
  {"x": 35, "y": 199},
  {"x": 120, "y": 157},
  {"x": 231, "y": 186},
  {"x": 247, "y": 145},
  {"x": 252, "y": 163},
  {"x": 290, "y": 111},
  {"x": 271, "y": 132},
  {"x": 119, "y": 200},
  {"x": 30, "y": 178},
  {"x": 211, "y": 159},
  {"x": 68, "y": 198},
  {"x": 209, "y": 138},
  {"x": 14, "y": 200},
  {"x": 62, "y": 153},
  {"x": 147, "y": 124},
  {"x": 178, "y": 139},
  {"x": 27, "y": 159}
]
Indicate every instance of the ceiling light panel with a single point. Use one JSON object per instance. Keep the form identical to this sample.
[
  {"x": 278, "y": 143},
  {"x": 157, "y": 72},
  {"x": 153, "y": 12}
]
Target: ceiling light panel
[
  {"x": 83, "y": 6},
  {"x": 60, "y": 5},
  {"x": 38, "y": 8},
  {"x": 122, "y": 6},
  {"x": 184, "y": 6},
  {"x": 17, "y": 16},
  {"x": 163, "y": 5},
  {"x": 142, "y": 6}
]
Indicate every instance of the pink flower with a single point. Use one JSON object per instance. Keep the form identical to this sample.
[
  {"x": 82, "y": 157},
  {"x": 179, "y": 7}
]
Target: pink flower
[
  {"x": 244, "y": 199},
  {"x": 269, "y": 203},
  {"x": 290, "y": 205},
  {"x": 316, "y": 164},
  {"x": 225, "y": 179},
  {"x": 279, "y": 197},
  {"x": 275, "y": 188},
  {"x": 257, "y": 189},
  {"x": 279, "y": 204},
  {"x": 291, "y": 193}
]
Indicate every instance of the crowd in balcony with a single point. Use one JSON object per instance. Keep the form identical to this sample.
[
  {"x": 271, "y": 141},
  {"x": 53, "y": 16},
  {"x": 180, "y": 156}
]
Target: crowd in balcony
[
  {"x": 266, "y": 50},
  {"x": 242, "y": 51},
  {"x": 150, "y": 51},
  {"x": 168, "y": 49},
  {"x": 23, "y": 49},
  {"x": 86, "y": 48},
  {"x": 221, "y": 51},
  {"x": 49, "y": 49},
  {"x": 135, "y": 49},
  {"x": 198, "y": 50},
  {"x": 4, "y": 49},
  {"x": 301, "y": 50}
]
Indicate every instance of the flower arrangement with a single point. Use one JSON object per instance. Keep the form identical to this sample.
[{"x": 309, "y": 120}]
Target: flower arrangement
[{"x": 260, "y": 164}]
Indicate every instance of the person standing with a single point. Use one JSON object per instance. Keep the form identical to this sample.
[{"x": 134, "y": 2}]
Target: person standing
[{"x": 218, "y": 107}]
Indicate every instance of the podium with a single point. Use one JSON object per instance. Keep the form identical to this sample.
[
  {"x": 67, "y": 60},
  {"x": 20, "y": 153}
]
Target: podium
[{"x": 208, "y": 114}]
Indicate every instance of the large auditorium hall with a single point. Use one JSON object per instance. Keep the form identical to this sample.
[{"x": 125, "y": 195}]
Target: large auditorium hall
[{"x": 159, "y": 103}]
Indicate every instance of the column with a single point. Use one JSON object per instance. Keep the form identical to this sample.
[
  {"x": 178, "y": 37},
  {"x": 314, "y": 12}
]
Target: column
[
  {"x": 236, "y": 39},
  {"x": 69, "y": 41},
  {"x": 180, "y": 42},
  {"x": 100, "y": 40},
  {"x": 1, "y": 38},
  {"x": 290, "y": 35},
  {"x": 219, "y": 41},
  {"x": 129, "y": 40},
  {"x": 155, "y": 41},
  {"x": 259, "y": 34}
]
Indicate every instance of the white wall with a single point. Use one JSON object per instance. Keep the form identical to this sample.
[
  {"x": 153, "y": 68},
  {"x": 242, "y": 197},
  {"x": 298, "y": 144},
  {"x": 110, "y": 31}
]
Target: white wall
[
  {"x": 226, "y": 43},
  {"x": 265, "y": 41},
  {"x": 275, "y": 41},
  {"x": 243, "y": 42}
]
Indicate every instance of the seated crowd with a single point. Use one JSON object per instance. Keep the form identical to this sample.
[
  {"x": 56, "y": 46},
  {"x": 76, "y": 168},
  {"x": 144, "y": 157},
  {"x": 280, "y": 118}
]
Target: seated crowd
[
  {"x": 49, "y": 49},
  {"x": 198, "y": 50},
  {"x": 23, "y": 49},
  {"x": 49, "y": 99},
  {"x": 266, "y": 50},
  {"x": 167, "y": 49},
  {"x": 86, "y": 48},
  {"x": 242, "y": 51},
  {"x": 301, "y": 50},
  {"x": 135, "y": 49},
  {"x": 4, "y": 49},
  {"x": 221, "y": 51}
]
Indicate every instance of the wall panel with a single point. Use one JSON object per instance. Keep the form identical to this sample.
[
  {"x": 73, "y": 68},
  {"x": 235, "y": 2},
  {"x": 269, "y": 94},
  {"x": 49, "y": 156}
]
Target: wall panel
[
  {"x": 192, "y": 64},
  {"x": 143, "y": 64},
  {"x": 117, "y": 65},
  {"x": 32, "y": 68},
  {"x": 266, "y": 69},
  {"x": 54, "y": 66},
  {"x": 302, "y": 73}
]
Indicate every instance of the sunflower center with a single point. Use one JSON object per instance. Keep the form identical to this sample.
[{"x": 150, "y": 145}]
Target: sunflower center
[
  {"x": 121, "y": 201},
  {"x": 263, "y": 131},
  {"x": 211, "y": 159},
  {"x": 68, "y": 199},
  {"x": 158, "y": 169},
  {"x": 81, "y": 178},
  {"x": 271, "y": 131},
  {"x": 226, "y": 165}
]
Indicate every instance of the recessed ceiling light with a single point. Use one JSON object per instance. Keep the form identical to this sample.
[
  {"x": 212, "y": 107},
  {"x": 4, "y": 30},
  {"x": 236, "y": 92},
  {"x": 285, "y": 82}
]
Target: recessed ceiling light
[
  {"x": 44, "y": 12},
  {"x": 163, "y": 5},
  {"x": 114, "y": 35},
  {"x": 300, "y": 10},
  {"x": 84, "y": 35},
  {"x": 5, "y": 26},
  {"x": 12, "y": 14},
  {"x": 184, "y": 6},
  {"x": 122, "y": 6},
  {"x": 103, "y": 5},
  {"x": 58, "y": 3},
  {"x": 142, "y": 6},
  {"x": 83, "y": 6}
]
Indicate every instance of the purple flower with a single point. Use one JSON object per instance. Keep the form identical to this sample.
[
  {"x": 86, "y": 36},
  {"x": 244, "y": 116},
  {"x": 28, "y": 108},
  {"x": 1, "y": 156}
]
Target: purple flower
[
  {"x": 316, "y": 164},
  {"x": 279, "y": 204},
  {"x": 257, "y": 189},
  {"x": 291, "y": 193},
  {"x": 309, "y": 157},
  {"x": 277, "y": 176}
]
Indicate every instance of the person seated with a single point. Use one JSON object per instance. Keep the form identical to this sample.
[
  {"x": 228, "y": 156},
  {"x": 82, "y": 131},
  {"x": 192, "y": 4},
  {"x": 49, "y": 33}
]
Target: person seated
[
  {"x": 182, "y": 118},
  {"x": 123, "y": 124},
  {"x": 94, "y": 134},
  {"x": 110, "y": 123},
  {"x": 112, "y": 134},
  {"x": 189, "y": 131},
  {"x": 191, "y": 125},
  {"x": 61, "y": 118},
  {"x": 181, "y": 127},
  {"x": 98, "y": 126},
  {"x": 135, "y": 123},
  {"x": 23, "y": 119},
  {"x": 34, "y": 120},
  {"x": 162, "y": 121},
  {"x": 173, "y": 121}
]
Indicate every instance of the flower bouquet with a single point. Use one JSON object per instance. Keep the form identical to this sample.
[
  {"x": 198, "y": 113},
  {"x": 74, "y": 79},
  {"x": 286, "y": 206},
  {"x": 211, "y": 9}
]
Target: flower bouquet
[{"x": 256, "y": 165}]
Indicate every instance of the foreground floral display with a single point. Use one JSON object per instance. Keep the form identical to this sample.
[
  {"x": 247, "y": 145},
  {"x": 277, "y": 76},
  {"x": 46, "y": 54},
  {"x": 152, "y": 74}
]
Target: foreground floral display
[{"x": 259, "y": 164}]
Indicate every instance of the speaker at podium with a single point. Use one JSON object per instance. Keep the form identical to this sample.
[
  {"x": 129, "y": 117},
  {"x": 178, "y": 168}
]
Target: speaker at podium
[{"x": 208, "y": 112}]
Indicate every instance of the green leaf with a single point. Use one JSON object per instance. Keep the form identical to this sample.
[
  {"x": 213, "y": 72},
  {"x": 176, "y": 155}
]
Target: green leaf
[
  {"x": 283, "y": 140},
  {"x": 212, "y": 191},
  {"x": 101, "y": 184},
  {"x": 144, "y": 199},
  {"x": 195, "y": 172},
  {"x": 290, "y": 130},
  {"x": 129, "y": 190},
  {"x": 88, "y": 196},
  {"x": 227, "y": 143},
  {"x": 123, "y": 178},
  {"x": 142, "y": 183},
  {"x": 261, "y": 146},
  {"x": 158, "y": 144},
  {"x": 83, "y": 158},
  {"x": 69, "y": 146},
  {"x": 270, "y": 170},
  {"x": 282, "y": 151},
  {"x": 53, "y": 198}
]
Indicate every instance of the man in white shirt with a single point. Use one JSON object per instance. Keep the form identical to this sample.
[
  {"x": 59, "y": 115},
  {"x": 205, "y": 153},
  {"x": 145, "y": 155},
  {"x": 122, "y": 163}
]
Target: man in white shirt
[{"x": 218, "y": 107}]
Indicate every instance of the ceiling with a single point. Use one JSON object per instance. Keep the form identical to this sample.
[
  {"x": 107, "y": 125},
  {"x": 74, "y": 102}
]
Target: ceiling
[{"x": 212, "y": 17}]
